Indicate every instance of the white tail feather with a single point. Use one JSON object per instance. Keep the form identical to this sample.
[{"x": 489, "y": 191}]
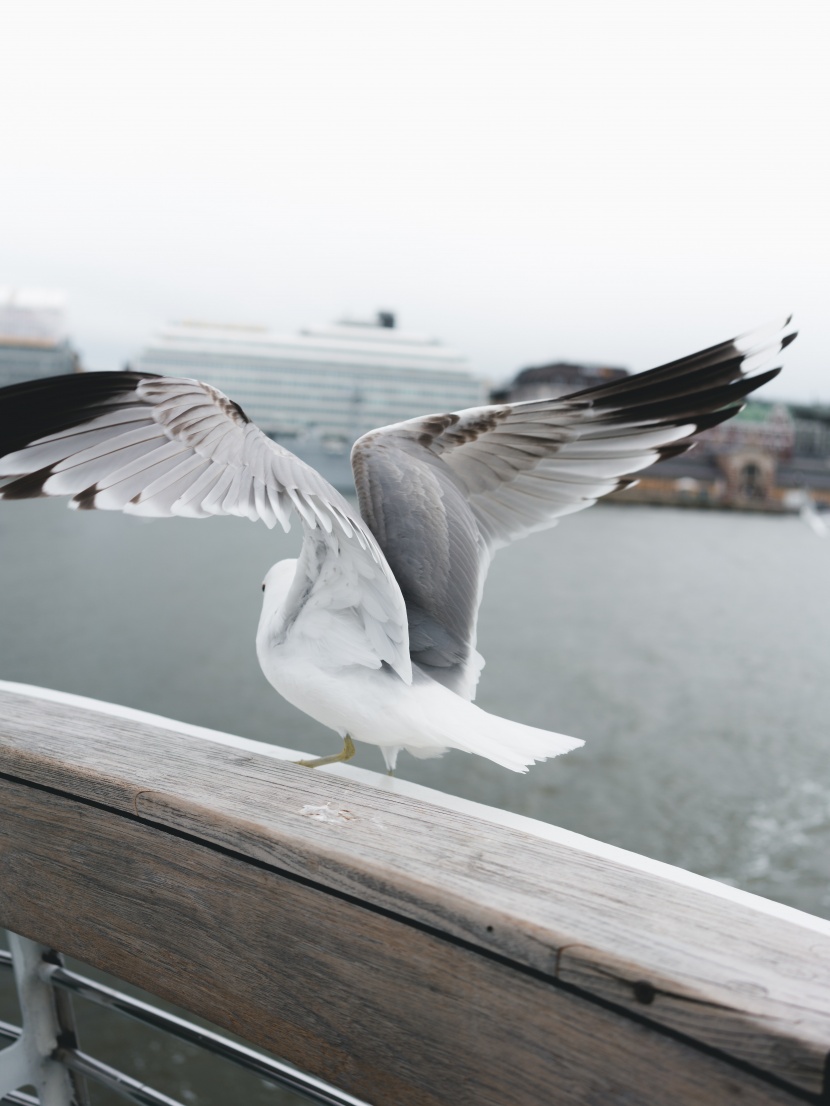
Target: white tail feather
[
  {"x": 512, "y": 744},
  {"x": 459, "y": 724}
]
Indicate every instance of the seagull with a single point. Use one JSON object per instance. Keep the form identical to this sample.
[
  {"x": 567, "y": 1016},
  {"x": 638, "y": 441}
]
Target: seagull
[{"x": 372, "y": 629}]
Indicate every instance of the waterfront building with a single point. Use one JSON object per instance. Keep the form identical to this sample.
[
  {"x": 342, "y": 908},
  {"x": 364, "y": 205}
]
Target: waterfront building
[
  {"x": 770, "y": 456},
  {"x": 559, "y": 378},
  {"x": 760, "y": 425},
  {"x": 324, "y": 384},
  {"x": 33, "y": 335}
]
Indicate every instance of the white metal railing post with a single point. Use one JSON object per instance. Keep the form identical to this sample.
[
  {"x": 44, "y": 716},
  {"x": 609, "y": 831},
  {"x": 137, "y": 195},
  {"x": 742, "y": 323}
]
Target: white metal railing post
[
  {"x": 65, "y": 984},
  {"x": 28, "y": 1062}
]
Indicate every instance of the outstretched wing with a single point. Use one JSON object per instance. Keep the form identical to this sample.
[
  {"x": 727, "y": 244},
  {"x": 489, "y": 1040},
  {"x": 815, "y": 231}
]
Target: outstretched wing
[
  {"x": 442, "y": 493},
  {"x": 161, "y": 446}
]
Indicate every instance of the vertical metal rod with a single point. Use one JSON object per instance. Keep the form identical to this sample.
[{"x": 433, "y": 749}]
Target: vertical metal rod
[
  {"x": 28, "y": 1062},
  {"x": 68, "y": 1038}
]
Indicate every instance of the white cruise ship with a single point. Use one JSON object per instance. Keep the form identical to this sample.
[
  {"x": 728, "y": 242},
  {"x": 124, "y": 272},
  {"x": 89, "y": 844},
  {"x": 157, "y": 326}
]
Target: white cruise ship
[{"x": 317, "y": 390}]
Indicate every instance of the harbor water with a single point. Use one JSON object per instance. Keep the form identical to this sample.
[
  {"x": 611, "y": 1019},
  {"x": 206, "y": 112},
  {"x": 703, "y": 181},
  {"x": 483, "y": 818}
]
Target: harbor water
[{"x": 689, "y": 649}]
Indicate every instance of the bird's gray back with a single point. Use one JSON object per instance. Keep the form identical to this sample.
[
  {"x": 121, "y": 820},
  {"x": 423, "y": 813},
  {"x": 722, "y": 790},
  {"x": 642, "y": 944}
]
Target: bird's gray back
[{"x": 421, "y": 518}]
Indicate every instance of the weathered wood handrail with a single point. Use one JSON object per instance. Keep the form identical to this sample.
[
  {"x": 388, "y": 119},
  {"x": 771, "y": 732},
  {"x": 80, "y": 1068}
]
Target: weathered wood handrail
[{"x": 404, "y": 946}]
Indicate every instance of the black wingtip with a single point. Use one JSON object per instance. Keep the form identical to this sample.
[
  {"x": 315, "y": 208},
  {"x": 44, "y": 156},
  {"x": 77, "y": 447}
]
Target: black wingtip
[
  {"x": 762, "y": 378},
  {"x": 674, "y": 450},
  {"x": 788, "y": 339},
  {"x": 33, "y": 409},
  {"x": 715, "y": 418}
]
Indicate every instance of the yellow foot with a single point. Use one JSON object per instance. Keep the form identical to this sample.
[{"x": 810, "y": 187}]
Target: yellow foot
[{"x": 346, "y": 753}]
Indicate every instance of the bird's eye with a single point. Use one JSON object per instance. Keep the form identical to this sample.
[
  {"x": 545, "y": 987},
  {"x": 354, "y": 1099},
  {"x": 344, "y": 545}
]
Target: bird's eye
[{"x": 263, "y": 587}]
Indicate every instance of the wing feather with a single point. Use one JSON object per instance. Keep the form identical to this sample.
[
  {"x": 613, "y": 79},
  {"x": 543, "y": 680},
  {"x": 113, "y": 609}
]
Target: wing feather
[
  {"x": 470, "y": 482},
  {"x": 163, "y": 446},
  {"x": 193, "y": 498},
  {"x": 181, "y": 476}
]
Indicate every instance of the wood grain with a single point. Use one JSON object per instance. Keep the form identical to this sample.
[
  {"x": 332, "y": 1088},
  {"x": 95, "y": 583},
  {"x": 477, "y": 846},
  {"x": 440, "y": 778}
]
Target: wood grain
[{"x": 391, "y": 942}]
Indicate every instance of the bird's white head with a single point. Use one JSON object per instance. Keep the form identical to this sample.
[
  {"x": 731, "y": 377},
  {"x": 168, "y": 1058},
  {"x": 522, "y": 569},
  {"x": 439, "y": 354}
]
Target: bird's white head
[
  {"x": 275, "y": 589},
  {"x": 277, "y": 584}
]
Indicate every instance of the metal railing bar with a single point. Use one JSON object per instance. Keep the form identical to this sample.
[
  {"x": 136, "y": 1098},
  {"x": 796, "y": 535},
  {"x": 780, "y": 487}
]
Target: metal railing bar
[
  {"x": 20, "y": 1098},
  {"x": 9, "y": 1032},
  {"x": 274, "y": 1071},
  {"x": 124, "y": 1085},
  {"x": 47, "y": 1014},
  {"x": 266, "y": 1067}
]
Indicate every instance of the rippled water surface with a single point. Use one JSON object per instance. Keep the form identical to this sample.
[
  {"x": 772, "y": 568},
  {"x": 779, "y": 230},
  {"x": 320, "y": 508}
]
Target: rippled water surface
[{"x": 689, "y": 649}]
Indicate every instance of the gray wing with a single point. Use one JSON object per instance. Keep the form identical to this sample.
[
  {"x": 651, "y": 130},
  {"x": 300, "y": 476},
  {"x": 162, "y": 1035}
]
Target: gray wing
[
  {"x": 162, "y": 446},
  {"x": 442, "y": 493}
]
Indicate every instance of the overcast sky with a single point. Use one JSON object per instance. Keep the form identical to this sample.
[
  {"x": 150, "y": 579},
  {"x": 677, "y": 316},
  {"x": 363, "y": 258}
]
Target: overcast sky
[{"x": 610, "y": 181}]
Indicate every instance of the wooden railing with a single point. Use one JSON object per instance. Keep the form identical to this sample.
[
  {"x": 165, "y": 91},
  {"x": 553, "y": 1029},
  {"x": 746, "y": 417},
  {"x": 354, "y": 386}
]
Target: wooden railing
[{"x": 407, "y": 947}]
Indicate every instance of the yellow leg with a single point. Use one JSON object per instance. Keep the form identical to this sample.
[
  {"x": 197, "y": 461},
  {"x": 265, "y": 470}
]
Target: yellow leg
[{"x": 346, "y": 753}]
